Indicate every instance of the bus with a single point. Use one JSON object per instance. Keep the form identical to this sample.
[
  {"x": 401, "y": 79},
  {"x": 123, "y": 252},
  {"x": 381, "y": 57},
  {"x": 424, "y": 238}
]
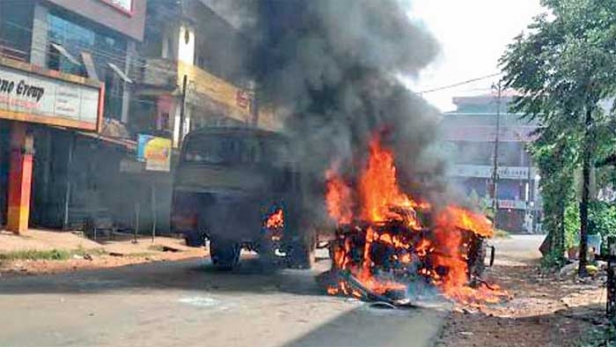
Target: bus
[{"x": 239, "y": 188}]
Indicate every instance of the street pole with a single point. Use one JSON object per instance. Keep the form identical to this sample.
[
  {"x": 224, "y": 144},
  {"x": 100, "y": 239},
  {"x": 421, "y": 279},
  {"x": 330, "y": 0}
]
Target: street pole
[
  {"x": 499, "y": 89},
  {"x": 68, "y": 191},
  {"x": 530, "y": 197},
  {"x": 529, "y": 213},
  {"x": 153, "y": 198}
]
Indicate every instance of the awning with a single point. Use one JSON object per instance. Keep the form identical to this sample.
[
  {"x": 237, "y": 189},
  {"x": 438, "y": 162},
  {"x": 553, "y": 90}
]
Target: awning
[
  {"x": 89, "y": 63},
  {"x": 120, "y": 73},
  {"x": 129, "y": 145},
  {"x": 65, "y": 53}
]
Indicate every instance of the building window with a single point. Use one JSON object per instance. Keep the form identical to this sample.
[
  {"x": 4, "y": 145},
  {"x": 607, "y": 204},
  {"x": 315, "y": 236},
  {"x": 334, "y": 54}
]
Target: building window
[{"x": 105, "y": 49}]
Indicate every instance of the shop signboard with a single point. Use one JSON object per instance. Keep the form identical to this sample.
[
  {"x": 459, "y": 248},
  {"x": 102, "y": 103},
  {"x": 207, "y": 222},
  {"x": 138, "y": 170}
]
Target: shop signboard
[
  {"x": 485, "y": 171},
  {"x": 35, "y": 95},
  {"x": 155, "y": 152}
]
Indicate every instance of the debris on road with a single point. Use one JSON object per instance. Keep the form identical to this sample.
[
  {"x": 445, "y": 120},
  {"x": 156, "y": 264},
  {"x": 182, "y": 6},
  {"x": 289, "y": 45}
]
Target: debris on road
[{"x": 545, "y": 308}]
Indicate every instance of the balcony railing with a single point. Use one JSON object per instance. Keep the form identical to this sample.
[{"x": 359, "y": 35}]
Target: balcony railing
[
  {"x": 157, "y": 72},
  {"x": 7, "y": 51}
]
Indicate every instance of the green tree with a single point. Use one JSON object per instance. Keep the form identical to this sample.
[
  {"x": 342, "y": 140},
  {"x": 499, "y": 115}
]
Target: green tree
[{"x": 564, "y": 66}]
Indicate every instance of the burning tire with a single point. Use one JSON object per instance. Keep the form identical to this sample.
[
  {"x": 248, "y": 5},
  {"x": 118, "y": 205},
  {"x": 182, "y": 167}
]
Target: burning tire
[
  {"x": 476, "y": 259},
  {"x": 225, "y": 254}
]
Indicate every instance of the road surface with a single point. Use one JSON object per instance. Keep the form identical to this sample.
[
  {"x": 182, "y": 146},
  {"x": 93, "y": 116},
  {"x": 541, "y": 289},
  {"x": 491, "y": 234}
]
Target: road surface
[{"x": 189, "y": 304}]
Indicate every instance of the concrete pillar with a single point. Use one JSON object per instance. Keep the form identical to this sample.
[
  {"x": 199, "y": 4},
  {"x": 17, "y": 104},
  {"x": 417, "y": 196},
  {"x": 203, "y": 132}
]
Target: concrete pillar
[
  {"x": 176, "y": 125},
  {"x": 131, "y": 52},
  {"x": 20, "y": 178},
  {"x": 38, "y": 51}
]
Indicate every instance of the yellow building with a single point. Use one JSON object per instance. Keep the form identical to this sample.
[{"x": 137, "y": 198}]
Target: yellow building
[{"x": 194, "y": 74}]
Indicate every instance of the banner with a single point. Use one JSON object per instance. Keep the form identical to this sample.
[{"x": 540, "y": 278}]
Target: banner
[
  {"x": 155, "y": 152},
  {"x": 35, "y": 95}
]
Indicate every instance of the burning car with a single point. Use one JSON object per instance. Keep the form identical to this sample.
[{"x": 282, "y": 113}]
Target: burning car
[{"x": 387, "y": 241}]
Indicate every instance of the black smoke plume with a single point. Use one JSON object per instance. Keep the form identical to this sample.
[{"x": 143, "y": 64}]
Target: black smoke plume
[{"x": 334, "y": 68}]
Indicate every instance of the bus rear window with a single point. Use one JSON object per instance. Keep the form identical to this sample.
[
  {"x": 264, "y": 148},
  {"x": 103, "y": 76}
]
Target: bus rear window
[{"x": 223, "y": 150}]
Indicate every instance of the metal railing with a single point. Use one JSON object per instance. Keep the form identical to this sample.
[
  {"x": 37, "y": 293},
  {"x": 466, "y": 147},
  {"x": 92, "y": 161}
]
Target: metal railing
[{"x": 6, "y": 51}]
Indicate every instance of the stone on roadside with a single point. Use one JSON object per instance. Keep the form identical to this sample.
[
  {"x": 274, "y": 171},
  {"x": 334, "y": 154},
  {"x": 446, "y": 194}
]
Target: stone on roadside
[{"x": 569, "y": 270}]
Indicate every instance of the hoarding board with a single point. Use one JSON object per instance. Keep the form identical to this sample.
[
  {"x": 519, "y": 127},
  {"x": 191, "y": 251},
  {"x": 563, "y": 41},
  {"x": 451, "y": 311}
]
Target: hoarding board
[
  {"x": 155, "y": 152},
  {"x": 486, "y": 171},
  {"x": 40, "y": 96},
  {"x": 201, "y": 83}
]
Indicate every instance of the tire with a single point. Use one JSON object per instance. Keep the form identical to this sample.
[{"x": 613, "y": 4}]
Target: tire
[
  {"x": 267, "y": 257},
  {"x": 302, "y": 255},
  {"x": 476, "y": 265},
  {"x": 194, "y": 239},
  {"x": 225, "y": 254}
]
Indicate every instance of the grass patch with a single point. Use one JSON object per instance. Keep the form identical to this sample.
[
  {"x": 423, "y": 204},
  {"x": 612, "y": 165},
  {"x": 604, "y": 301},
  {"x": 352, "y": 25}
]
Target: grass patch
[
  {"x": 54, "y": 254},
  {"x": 157, "y": 248},
  {"x": 140, "y": 255},
  {"x": 599, "y": 337}
]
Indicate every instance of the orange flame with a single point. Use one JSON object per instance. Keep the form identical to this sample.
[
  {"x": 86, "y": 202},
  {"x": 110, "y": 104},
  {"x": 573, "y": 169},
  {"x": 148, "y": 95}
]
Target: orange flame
[
  {"x": 275, "y": 220},
  {"x": 338, "y": 198},
  {"x": 379, "y": 188},
  {"x": 275, "y": 223}
]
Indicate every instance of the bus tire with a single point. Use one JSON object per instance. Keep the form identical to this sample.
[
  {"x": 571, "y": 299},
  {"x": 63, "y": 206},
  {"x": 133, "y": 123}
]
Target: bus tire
[
  {"x": 302, "y": 255},
  {"x": 225, "y": 254}
]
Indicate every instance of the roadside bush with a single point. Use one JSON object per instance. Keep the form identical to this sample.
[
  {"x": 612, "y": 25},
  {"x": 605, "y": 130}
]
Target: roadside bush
[{"x": 601, "y": 220}]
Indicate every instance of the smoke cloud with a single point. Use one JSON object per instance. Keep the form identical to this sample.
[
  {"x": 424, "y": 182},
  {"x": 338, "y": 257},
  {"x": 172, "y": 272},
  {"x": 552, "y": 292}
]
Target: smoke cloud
[{"x": 334, "y": 67}]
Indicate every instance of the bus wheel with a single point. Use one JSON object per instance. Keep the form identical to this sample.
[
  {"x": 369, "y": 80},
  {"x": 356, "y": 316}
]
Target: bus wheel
[
  {"x": 225, "y": 254},
  {"x": 302, "y": 255}
]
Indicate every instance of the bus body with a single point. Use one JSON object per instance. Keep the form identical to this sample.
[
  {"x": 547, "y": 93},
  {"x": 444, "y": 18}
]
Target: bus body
[{"x": 227, "y": 183}]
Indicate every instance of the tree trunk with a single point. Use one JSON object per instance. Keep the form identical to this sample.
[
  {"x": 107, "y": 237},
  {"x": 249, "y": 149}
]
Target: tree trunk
[
  {"x": 585, "y": 195},
  {"x": 560, "y": 240}
]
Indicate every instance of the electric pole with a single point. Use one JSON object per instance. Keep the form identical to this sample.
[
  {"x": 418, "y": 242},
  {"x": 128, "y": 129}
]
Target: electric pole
[{"x": 499, "y": 93}]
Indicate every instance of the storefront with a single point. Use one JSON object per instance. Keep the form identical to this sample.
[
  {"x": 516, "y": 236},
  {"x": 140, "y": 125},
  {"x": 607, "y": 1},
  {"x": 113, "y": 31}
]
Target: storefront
[{"x": 33, "y": 100}]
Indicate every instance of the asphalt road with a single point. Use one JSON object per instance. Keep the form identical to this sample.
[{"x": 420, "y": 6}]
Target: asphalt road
[{"x": 188, "y": 303}]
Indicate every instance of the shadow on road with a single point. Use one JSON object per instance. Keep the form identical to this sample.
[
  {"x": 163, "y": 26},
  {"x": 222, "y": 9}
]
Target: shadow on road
[
  {"x": 365, "y": 326},
  {"x": 198, "y": 274}
]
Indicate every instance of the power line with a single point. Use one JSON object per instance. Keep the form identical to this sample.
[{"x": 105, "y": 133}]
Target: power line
[{"x": 460, "y": 83}]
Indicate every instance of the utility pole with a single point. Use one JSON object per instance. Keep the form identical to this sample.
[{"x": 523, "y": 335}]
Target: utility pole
[
  {"x": 499, "y": 90},
  {"x": 530, "y": 197},
  {"x": 529, "y": 178}
]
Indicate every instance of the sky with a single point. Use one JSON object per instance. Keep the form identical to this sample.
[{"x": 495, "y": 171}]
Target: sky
[{"x": 473, "y": 35}]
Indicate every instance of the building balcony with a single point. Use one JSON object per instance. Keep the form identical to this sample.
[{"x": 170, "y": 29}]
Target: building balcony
[
  {"x": 203, "y": 89},
  {"x": 10, "y": 52},
  {"x": 157, "y": 73}
]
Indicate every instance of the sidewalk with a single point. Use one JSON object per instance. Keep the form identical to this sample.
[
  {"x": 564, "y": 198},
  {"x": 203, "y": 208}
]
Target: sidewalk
[
  {"x": 45, "y": 251},
  {"x": 43, "y": 240}
]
